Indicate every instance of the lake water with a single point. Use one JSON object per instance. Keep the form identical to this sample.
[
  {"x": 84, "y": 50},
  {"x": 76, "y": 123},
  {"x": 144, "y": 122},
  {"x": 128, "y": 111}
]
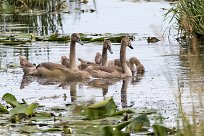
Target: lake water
[{"x": 166, "y": 63}]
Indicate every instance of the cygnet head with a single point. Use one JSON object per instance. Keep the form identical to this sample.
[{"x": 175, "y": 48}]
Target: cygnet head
[
  {"x": 107, "y": 45},
  {"x": 65, "y": 61},
  {"x": 75, "y": 37},
  {"x": 127, "y": 42}
]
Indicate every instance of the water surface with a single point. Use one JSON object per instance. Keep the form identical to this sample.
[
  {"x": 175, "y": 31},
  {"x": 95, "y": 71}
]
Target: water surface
[{"x": 167, "y": 64}]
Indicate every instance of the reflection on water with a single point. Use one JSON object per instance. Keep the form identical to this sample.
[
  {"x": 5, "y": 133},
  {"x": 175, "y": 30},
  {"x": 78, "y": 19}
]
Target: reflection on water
[
  {"x": 163, "y": 62},
  {"x": 73, "y": 92},
  {"x": 124, "y": 92},
  {"x": 150, "y": 90},
  {"x": 94, "y": 83},
  {"x": 191, "y": 83},
  {"x": 72, "y": 86},
  {"x": 45, "y": 22},
  {"x": 92, "y": 17}
]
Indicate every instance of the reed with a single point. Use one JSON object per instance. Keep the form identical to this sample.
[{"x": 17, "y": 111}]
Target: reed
[
  {"x": 190, "y": 16},
  {"x": 50, "y": 5}
]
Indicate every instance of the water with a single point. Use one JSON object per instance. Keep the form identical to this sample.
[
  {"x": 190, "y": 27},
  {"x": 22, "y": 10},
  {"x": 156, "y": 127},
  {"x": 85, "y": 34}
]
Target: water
[
  {"x": 110, "y": 17},
  {"x": 164, "y": 62},
  {"x": 151, "y": 91}
]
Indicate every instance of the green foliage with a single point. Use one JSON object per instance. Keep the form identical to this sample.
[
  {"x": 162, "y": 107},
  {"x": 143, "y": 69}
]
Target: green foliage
[
  {"x": 113, "y": 39},
  {"x": 138, "y": 122},
  {"x": 3, "y": 109},
  {"x": 111, "y": 131},
  {"x": 160, "y": 130},
  {"x": 10, "y": 99},
  {"x": 58, "y": 37},
  {"x": 190, "y": 16},
  {"x": 13, "y": 42},
  {"x": 30, "y": 129},
  {"x": 26, "y": 109},
  {"x": 5, "y": 7},
  {"x": 18, "y": 117},
  {"x": 10, "y": 6},
  {"x": 114, "y": 123},
  {"x": 101, "y": 109}
]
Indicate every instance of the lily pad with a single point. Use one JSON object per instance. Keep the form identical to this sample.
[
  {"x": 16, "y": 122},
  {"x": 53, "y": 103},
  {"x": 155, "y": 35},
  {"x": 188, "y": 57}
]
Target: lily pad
[
  {"x": 35, "y": 129},
  {"x": 112, "y": 131},
  {"x": 123, "y": 125},
  {"x": 13, "y": 42},
  {"x": 31, "y": 109},
  {"x": 101, "y": 109},
  {"x": 138, "y": 122},
  {"x": 30, "y": 129},
  {"x": 115, "y": 39},
  {"x": 119, "y": 113},
  {"x": 58, "y": 37},
  {"x": 106, "y": 130},
  {"x": 5, "y": 7},
  {"x": 26, "y": 109},
  {"x": 18, "y": 117},
  {"x": 17, "y": 110},
  {"x": 10, "y": 99},
  {"x": 43, "y": 114},
  {"x": 52, "y": 130},
  {"x": 3, "y": 109},
  {"x": 160, "y": 130}
]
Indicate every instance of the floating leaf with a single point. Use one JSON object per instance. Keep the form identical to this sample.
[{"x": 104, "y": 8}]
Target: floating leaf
[
  {"x": 67, "y": 130},
  {"x": 3, "y": 109},
  {"x": 42, "y": 114},
  {"x": 17, "y": 117},
  {"x": 112, "y": 131},
  {"x": 119, "y": 113},
  {"x": 122, "y": 125},
  {"x": 26, "y": 109},
  {"x": 6, "y": 7},
  {"x": 160, "y": 130},
  {"x": 52, "y": 130},
  {"x": 58, "y": 37},
  {"x": 138, "y": 123},
  {"x": 101, "y": 109},
  {"x": 17, "y": 110},
  {"x": 115, "y": 39},
  {"x": 31, "y": 108},
  {"x": 30, "y": 129},
  {"x": 10, "y": 99},
  {"x": 100, "y": 131},
  {"x": 14, "y": 42}
]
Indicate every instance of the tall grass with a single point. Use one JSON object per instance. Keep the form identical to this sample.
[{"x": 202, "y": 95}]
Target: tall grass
[{"x": 190, "y": 16}]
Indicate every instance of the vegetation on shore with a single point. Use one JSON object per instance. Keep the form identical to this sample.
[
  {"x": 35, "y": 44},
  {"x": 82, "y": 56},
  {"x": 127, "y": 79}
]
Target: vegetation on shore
[
  {"x": 189, "y": 16},
  {"x": 13, "y": 6}
]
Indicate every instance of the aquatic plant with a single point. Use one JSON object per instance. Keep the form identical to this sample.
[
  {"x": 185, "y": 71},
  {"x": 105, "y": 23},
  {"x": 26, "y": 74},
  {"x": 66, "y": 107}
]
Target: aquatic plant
[
  {"x": 50, "y": 5},
  {"x": 190, "y": 16},
  {"x": 102, "y": 118}
]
